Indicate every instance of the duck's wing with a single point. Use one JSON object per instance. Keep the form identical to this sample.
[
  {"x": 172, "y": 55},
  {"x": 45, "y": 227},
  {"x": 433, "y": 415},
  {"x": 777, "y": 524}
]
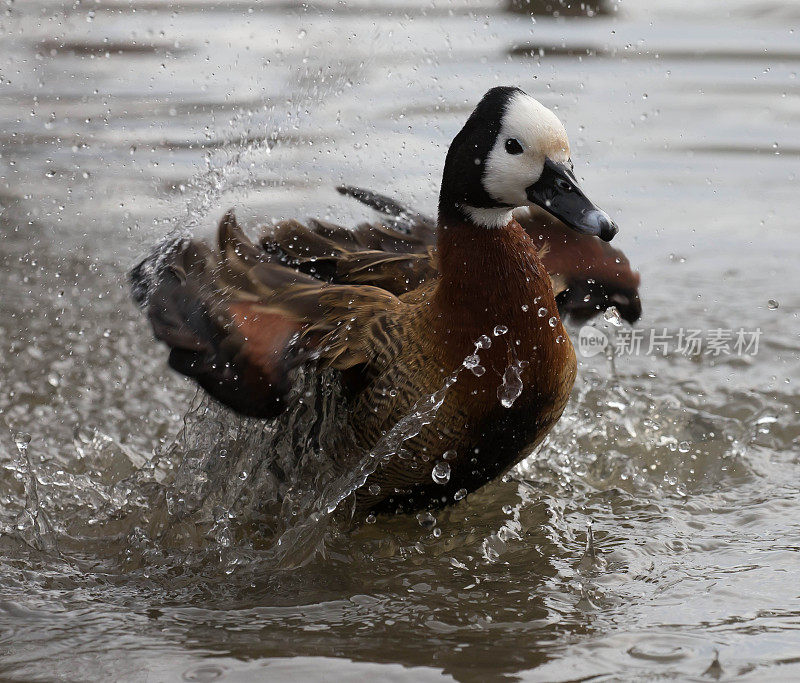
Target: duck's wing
[
  {"x": 397, "y": 255},
  {"x": 238, "y": 319},
  {"x": 592, "y": 274},
  {"x": 418, "y": 228},
  {"x": 374, "y": 254}
]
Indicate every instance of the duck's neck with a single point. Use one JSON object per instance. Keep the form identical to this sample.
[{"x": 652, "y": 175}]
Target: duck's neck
[{"x": 491, "y": 276}]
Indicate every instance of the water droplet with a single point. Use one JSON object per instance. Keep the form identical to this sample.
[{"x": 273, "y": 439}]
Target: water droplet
[
  {"x": 437, "y": 532},
  {"x": 22, "y": 440},
  {"x": 500, "y": 330},
  {"x": 441, "y": 473},
  {"x": 473, "y": 364},
  {"x": 426, "y": 520},
  {"x": 772, "y": 304},
  {"x": 461, "y": 493},
  {"x": 449, "y": 455},
  {"x": 511, "y": 388},
  {"x": 612, "y": 316},
  {"x": 553, "y": 321},
  {"x": 542, "y": 312},
  {"x": 371, "y": 519},
  {"x": 374, "y": 489}
]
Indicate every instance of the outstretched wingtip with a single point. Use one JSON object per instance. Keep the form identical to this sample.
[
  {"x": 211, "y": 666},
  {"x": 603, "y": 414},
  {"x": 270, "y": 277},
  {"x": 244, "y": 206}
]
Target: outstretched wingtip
[
  {"x": 228, "y": 225},
  {"x": 231, "y": 237},
  {"x": 381, "y": 203},
  {"x": 143, "y": 275},
  {"x": 139, "y": 284}
]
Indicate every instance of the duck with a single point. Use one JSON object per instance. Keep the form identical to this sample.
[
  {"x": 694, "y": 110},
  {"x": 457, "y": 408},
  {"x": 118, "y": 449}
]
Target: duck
[{"x": 463, "y": 313}]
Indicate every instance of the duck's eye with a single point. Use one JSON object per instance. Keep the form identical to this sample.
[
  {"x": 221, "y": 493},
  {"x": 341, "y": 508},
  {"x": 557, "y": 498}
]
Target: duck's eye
[
  {"x": 562, "y": 184},
  {"x": 513, "y": 146}
]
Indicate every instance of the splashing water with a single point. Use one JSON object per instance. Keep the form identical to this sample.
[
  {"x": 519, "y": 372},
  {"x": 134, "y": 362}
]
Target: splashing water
[
  {"x": 270, "y": 482},
  {"x": 511, "y": 387},
  {"x": 611, "y": 315},
  {"x": 31, "y": 524},
  {"x": 473, "y": 361},
  {"x": 227, "y": 489},
  {"x": 304, "y": 537},
  {"x": 441, "y": 473}
]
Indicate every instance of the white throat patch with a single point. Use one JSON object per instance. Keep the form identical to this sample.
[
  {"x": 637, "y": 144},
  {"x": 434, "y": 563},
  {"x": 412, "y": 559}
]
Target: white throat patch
[{"x": 488, "y": 218}]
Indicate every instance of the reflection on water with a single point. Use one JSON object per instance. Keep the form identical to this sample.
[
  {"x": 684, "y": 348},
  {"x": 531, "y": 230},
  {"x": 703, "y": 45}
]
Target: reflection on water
[
  {"x": 135, "y": 542},
  {"x": 560, "y": 8}
]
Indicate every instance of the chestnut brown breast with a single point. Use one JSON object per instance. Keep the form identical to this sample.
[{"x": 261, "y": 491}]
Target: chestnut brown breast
[{"x": 490, "y": 293}]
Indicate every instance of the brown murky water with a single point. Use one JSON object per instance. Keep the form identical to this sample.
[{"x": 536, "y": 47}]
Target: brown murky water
[{"x": 123, "y": 120}]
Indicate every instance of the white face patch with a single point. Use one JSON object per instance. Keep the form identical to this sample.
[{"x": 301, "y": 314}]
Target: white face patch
[{"x": 540, "y": 134}]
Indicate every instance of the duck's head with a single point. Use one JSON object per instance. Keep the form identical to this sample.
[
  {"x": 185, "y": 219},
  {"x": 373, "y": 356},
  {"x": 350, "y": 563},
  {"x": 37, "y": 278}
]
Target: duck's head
[{"x": 513, "y": 152}]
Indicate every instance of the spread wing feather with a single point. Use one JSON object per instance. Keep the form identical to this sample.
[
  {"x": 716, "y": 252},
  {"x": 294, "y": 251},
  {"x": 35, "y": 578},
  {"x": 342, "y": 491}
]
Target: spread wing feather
[{"x": 239, "y": 319}]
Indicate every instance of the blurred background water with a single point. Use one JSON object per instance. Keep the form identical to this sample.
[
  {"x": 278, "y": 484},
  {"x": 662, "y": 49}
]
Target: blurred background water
[{"x": 127, "y": 120}]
